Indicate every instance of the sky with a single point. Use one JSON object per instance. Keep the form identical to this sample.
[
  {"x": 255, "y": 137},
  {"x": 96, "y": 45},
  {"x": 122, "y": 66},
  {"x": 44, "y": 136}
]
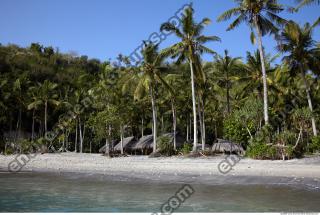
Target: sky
[{"x": 103, "y": 29}]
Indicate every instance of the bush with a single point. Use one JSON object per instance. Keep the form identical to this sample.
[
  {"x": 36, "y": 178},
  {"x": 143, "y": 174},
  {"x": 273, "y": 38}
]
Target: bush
[
  {"x": 259, "y": 150},
  {"x": 165, "y": 146},
  {"x": 261, "y": 146},
  {"x": 234, "y": 130},
  {"x": 243, "y": 122},
  {"x": 315, "y": 144},
  {"x": 186, "y": 149}
]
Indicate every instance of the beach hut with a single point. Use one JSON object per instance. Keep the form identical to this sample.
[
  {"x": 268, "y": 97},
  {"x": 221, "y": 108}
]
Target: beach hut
[
  {"x": 226, "y": 146},
  {"x": 144, "y": 145},
  {"x": 103, "y": 148},
  {"x": 128, "y": 142}
]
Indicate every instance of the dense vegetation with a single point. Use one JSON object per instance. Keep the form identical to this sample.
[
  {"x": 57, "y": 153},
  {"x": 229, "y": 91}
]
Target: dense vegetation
[{"x": 73, "y": 103}]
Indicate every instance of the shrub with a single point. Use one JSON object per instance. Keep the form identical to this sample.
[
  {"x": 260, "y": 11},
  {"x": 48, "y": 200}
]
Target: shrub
[
  {"x": 315, "y": 144},
  {"x": 165, "y": 146},
  {"x": 243, "y": 123},
  {"x": 186, "y": 149},
  {"x": 234, "y": 130},
  {"x": 260, "y": 150},
  {"x": 261, "y": 146}
]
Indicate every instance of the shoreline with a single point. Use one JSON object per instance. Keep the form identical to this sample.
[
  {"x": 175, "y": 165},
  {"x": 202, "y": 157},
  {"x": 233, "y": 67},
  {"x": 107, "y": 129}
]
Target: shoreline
[{"x": 303, "y": 172}]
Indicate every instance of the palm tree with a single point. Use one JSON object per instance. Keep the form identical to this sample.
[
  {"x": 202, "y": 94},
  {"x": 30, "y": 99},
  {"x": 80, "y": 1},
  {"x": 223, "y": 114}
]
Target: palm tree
[
  {"x": 225, "y": 68},
  {"x": 260, "y": 15},
  {"x": 189, "y": 48},
  {"x": 302, "y": 53},
  {"x": 47, "y": 95},
  {"x": 306, "y": 2},
  {"x": 252, "y": 77},
  {"x": 145, "y": 78}
]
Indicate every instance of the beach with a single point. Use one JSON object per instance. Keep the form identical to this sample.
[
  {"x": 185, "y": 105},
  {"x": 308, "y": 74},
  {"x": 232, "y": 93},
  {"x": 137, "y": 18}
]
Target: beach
[{"x": 203, "y": 170}]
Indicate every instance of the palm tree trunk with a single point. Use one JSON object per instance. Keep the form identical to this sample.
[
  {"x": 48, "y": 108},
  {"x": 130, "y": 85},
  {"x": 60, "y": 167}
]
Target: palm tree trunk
[
  {"x": 162, "y": 125},
  {"x": 174, "y": 119},
  {"x": 203, "y": 140},
  {"x": 80, "y": 133},
  {"x": 187, "y": 130},
  {"x": 76, "y": 138},
  {"x": 45, "y": 116},
  {"x": 194, "y": 109},
  {"x": 190, "y": 127},
  {"x": 121, "y": 137},
  {"x": 142, "y": 127},
  {"x": 264, "y": 74},
  {"x": 108, "y": 131},
  {"x": 32, "y": 132},
  {"x": 307, "y": 88},
  {"x": 154, "y": 116},
  {"x": 84, "y": 132},
  {"x": 201, "y": 124}
]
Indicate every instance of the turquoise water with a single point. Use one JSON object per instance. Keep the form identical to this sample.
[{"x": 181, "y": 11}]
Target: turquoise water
[{"x": 26, "y": 192}]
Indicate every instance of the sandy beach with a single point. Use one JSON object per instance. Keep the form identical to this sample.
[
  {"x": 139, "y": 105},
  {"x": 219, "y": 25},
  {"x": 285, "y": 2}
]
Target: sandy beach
[{"x": 205, "y": 170}]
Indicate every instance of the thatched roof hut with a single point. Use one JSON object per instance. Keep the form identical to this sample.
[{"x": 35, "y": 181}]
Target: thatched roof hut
[
  {"x": 145, "y": 142},
  {"x": 225, "y": 146},
  {"x": 103, "y": 148},
  {"x": 128, "y": 142}
]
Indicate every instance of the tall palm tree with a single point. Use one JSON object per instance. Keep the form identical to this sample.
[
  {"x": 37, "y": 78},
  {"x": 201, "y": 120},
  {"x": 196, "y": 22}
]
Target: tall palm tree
[
  {"x": 145, "y": 77},
  {"x": 47, "y": 95},
  {"x": 189, "y": 48},
  {"x": 225, "y": 68},
  {"x": 302, "y": 52},
  {"x": 260, "y": 15}
]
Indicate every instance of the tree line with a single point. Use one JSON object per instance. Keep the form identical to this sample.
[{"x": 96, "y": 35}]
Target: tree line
[{"x": 271, "y": 109}]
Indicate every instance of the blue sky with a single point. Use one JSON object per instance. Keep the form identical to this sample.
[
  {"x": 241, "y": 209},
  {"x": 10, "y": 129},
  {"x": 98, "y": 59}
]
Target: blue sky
[{"x": 104, "y": 28}]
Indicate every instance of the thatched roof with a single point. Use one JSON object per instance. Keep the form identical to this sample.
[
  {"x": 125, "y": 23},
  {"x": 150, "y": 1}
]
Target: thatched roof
[
  {"x": 103, "y": 148},
  {"x": 227, "y": 146},
  {"x": 145, "y": 142},
  {"x": 128, "y": 142}
]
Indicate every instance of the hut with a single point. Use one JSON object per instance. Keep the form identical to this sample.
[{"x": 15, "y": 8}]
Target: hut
[
  {"x": 144, "y": 145},
  {"x": 128, "y": 142},
  {"x": 103, "y": 148},
  {"x": 225, "y": 146}
]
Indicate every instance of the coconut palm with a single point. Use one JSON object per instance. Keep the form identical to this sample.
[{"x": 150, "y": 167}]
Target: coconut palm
[
  {"x": 47, "y": 95},
  {"x": 252, "y": 77},
  {"x": 189, "y": 48},
  {"x": 145, "y": 77},
  {"x": 225, "y": 68},
  {"x": 306, "y": 2},
  {"x": 260, "y": 15},
  {"x": 297, "y": 42}
]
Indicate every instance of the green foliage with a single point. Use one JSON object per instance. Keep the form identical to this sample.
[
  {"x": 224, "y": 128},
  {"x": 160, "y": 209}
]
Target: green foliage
[
  {"x": 263, "y": 147},
  {"x": 285, "y": 138},
  {"x": 186, "y": 148},
  {"x": 301, "y": 118},
  {"x": 243, "y": 122},
  {"x": 260, "y": 150},
  {"x": 166, "y": 146},
  {"x": 315, "y": 145},
  {"x": 235, "y": 131}
]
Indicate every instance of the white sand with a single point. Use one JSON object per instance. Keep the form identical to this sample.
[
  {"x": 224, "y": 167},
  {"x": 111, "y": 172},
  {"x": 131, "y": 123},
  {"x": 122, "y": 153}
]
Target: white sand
[{"x": 144, "y": 167}]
